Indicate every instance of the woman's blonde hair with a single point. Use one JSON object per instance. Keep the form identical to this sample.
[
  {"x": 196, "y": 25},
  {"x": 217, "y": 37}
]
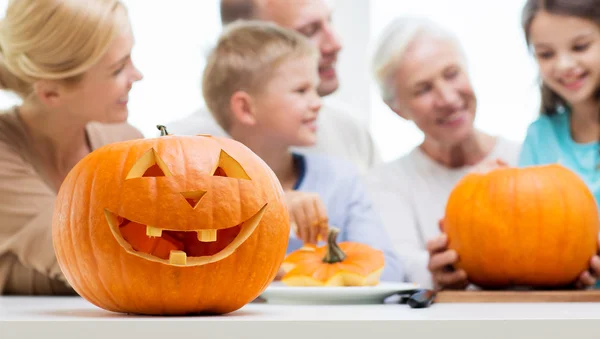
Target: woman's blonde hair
[
  {"x": 55, "y": 40},
  {"x": 244, "y": 59},
  {"x": 392, "y": 46}
]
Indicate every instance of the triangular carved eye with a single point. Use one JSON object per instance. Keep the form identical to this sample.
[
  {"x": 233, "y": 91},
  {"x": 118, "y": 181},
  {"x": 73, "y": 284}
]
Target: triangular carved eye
[
  {"x": 149, "y": 165},
  {"x": 229, "y": 167}
]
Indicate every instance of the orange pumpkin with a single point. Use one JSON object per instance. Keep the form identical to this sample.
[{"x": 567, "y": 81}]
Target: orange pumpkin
[
  {"x": 171, "y": 225},
  {"x": 535, "y": 226},
  {"x": 346, "y": 264}
]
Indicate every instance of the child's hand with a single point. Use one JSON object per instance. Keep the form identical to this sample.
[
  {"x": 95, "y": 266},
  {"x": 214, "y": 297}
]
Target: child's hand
[
  {"x": 441, "y": 261},
  {"x": 486, "y": 166},
  {"x": 308, "y": 216},
  {"x": 587, "y": 279},
  {"x": 280, "y": 274}
]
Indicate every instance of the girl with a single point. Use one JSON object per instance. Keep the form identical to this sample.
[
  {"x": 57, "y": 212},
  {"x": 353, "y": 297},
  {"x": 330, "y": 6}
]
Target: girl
[{"x": 565, "y": 39}]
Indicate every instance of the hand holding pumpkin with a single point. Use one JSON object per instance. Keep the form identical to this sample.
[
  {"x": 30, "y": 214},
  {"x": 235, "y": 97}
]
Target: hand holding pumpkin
[
  {"x": 441, "y": 264},
  {"x": 308, "y": 216},
  {"x": 446, "y": 276},
  {"x": 589, "y": 277}
]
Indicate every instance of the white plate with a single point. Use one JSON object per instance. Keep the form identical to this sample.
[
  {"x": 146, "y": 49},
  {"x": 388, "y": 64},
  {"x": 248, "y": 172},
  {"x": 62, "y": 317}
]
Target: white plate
[{"x": 278, "y": 293}]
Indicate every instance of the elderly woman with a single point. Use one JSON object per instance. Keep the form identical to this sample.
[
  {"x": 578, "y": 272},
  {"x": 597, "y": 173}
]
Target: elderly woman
[
  {"x": 422, "y": 75},
  {"x": 73, "y": 70}
]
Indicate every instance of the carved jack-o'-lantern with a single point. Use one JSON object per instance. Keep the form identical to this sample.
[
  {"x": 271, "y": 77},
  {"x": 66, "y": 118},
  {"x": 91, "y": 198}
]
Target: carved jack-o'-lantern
[{"x": 171, "y": 225}]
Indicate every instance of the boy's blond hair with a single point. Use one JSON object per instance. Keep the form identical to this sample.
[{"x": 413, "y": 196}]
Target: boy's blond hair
[{"x": 244, "y": 59}]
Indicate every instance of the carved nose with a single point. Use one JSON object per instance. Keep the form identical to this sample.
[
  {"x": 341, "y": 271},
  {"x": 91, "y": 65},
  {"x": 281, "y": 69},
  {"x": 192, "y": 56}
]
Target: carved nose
[{"x": 193, "y": 197}]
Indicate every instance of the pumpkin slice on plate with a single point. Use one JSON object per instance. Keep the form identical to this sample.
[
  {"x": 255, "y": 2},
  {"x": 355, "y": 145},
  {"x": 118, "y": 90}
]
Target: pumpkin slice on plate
[{"x": 344, "y": 264}]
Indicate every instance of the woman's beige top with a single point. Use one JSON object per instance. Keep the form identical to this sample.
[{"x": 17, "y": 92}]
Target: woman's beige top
[{"x": 28, "y": 265}]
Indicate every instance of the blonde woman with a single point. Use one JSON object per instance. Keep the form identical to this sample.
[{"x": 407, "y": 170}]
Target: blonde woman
[{"x": 70, "y": 63}]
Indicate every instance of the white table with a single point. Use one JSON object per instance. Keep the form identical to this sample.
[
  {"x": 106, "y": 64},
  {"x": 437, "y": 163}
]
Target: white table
[{"x": 73, "y": 317}]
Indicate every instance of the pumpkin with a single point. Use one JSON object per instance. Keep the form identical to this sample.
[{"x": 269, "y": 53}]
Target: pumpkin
[
  {"x": 171, "y": 225},
  {"x": 522, "y": 227},
  {"x": 344, "y": 264}
]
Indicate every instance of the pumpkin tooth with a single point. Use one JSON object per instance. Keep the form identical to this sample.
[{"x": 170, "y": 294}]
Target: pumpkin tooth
[
  {"x": 177, "y": 257},
  {"x": 207, "y": 235},
  {"x": 153, "y": 231}
]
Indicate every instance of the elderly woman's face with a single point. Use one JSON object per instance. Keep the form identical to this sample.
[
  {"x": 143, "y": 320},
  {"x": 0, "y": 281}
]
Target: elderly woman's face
[{"x": 434, "y": 91}]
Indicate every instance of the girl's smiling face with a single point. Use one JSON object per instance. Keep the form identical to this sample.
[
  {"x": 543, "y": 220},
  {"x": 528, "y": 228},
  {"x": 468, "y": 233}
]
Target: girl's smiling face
[{"x": 567, "y": 49}]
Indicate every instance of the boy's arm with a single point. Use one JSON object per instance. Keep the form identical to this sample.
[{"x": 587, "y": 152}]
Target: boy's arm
[
  {"x": 363, "y": 225},
  {"x": 394, "y": 209}
]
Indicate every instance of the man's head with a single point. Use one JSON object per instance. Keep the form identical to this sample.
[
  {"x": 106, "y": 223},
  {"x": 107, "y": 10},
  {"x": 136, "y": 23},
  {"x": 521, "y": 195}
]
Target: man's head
[{"x": 312, "y": 18}]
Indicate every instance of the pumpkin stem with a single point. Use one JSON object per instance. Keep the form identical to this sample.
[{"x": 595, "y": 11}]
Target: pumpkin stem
[
  {"x": 163, "y": 130},
  {"x": 334, "y": 252}
]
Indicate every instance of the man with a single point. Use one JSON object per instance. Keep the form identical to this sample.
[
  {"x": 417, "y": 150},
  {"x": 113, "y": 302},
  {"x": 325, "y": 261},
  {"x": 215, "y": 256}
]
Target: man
[{"x": 338, "y": 132}]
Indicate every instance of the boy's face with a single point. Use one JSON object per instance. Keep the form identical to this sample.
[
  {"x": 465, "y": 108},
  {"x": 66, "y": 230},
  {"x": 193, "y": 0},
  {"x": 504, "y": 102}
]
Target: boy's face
[{"x": 287, "y": 109}]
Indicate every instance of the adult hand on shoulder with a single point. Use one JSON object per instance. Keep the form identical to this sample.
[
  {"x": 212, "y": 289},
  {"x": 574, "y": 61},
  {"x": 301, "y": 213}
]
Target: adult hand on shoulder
[
  {"x": 588, "y": 278},
  {"x": 308, "y": 216},
  {"x": 441, "y": 264}
]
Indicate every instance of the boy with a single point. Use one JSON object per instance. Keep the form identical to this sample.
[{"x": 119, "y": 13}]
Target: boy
[{"x": 260, "y": 83}]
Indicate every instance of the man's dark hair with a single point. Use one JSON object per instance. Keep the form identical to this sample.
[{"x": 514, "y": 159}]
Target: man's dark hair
[{"x": 232, "y": 10}]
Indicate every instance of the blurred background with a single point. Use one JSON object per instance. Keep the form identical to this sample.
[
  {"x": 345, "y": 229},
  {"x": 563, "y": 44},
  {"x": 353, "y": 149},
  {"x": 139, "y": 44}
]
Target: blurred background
[{"x": 172, "y": 38}]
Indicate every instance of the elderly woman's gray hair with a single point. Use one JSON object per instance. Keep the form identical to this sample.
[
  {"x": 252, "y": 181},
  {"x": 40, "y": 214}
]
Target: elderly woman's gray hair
[{"x": 392, "y": 46}]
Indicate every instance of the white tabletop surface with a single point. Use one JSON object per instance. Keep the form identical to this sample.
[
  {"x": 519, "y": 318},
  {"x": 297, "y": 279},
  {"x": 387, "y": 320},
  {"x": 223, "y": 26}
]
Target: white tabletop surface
[{"x": 73, "y": 317}]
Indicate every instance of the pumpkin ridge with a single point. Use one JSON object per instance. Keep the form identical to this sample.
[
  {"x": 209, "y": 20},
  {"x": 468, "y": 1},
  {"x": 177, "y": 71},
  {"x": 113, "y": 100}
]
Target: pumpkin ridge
[
  {"x": 540, "y": 216},
  {"x": 568, "y": 215},
  {"x": 69, "y": 259},
  {"x": 58, "y": 232},
  {"x": 470, "y": 203},
  {"x": 75, "y": 260},
  {"x": 123, "y": 273},
  {"x": 463, "y": 207},
  {"x": 503, "y": 225},
  {"x": 522, "y": 217},
  {"x": 120, "y": 169},
  {"x": 492, "y": 196},
  {"x": 182, "y": 154},
  {"x": 90, "y": 236}
]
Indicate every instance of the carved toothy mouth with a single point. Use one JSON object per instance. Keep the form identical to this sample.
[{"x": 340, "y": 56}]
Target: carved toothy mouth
[{"x": 180, "y": 248}]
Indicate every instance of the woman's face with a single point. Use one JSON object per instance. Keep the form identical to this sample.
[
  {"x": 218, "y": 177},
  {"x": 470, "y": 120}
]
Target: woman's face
[
  {"x": 434, "y": 91},
  {"x": 103, "y": 93},
  {"x": 567, "y": 50}
]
